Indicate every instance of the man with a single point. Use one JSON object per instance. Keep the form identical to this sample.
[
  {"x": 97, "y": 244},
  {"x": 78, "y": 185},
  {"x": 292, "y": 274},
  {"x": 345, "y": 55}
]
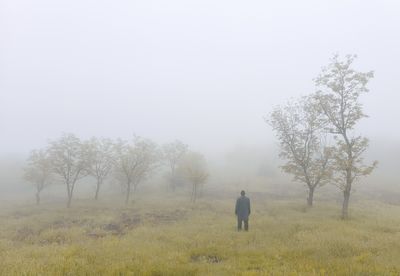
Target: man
[{"x": 242, "y": 211}]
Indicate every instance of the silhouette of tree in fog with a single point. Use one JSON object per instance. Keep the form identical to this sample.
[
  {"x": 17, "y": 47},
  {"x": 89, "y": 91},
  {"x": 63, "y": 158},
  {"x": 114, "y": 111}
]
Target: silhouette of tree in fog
[
  {"x": 172, "y": 154},
  {"x": 338, "y": 98},
  {"x": 134, "y": 162},
  {"x": 193, "y": 168},
  {"x": 299, "y": 128},
  {"x": 100, "y": 154},
  {"x": 38, "y": 171},
  {"x": 69, "y": 162}
]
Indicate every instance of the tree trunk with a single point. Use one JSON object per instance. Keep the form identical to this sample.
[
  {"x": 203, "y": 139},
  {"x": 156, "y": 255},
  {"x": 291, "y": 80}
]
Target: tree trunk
[
  {"x": 172, "y": 183},
  {"x": 37, "y": 198},
  {"x": 128, "y": 192},
  {"x": 349, "y": 179},
  {"x": 172, "y": 180},
  {"x": 194, "y": 192},
  {"x": 69, "y": 192},
  {"x": 134, "y": 189},
  {"x": 345, "y": 209},
  {"x": 97, "y": 189},
  {"x": 310, "y": 198},
  {"x": 346, "y": 194},
  {"x": 69, "y": 200}
]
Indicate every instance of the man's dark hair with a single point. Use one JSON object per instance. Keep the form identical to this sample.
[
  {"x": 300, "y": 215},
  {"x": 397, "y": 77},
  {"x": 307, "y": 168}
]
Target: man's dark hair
[{"x": 242, "y": 193}]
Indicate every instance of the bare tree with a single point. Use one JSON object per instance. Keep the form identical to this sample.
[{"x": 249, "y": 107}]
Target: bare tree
[
  {"x": 99, "y": 154},
  {"x": 299, "y": 129},
  {"x": 68, "y": 161},
  {"x": 340, "y": 89},
  {"x": 193, "y": 168},
  {"x": 134, "y": 162},
  {"x": 172, "y": 154},
  {"x": 39, "y": 171}
]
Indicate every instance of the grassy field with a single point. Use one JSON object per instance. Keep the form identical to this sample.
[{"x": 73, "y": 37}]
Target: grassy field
[{"x": 167, "y": 236}]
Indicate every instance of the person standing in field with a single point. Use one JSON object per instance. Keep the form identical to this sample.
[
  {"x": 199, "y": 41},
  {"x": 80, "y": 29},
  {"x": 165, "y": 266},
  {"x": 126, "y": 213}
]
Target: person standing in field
[{"x": 242, "y": 211}]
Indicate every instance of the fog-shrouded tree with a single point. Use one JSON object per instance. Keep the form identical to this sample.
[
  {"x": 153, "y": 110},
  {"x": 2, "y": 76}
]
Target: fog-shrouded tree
[
  {"x": 68, "y": 161},
  {"x": 39, "y": 171},
  {"x": 340, "y": 87},
  {"x": 100, "y": 157},
  {"x": 172, "y": 153},
  {"x": 134, "y": 162},
  {"x": 300, "y": 131},
  {"x": 193, "y": 168}
]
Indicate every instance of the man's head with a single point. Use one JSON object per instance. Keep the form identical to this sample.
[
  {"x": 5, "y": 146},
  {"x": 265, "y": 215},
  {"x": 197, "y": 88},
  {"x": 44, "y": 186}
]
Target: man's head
[{"x": 242, "y": 193}]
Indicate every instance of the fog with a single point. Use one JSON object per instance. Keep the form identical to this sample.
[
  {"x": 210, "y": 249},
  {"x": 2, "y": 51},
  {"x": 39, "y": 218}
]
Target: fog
[{"x": 205, "y": 72}]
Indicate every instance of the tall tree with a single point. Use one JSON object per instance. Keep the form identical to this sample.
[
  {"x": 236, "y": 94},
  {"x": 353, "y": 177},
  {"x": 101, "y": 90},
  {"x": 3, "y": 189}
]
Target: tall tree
[
  {"x": 299, "y": 128},
  {"x": 172, "y": 154},
  {"x": 340, "y": 88},
  {"x": 100, "y": 156},
  {"x": 134, "y": 162},
  {"x": 68, "y": 161},
  {"x": 39, "y": 171},
  {"x": 193, "y": 168}
]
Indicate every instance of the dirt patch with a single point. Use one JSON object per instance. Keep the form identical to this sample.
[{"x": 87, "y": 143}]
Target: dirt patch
[
  {"x": 96, "y": 235},
  {"x": 69, "y": 223},
  {"x": 127, "y": 222},
  {"x": 166, "y": 218},
  {"x": 55, "y": 238},
  {"x": 24, "y": 234},
  {"x": 113, "y": 229},
  {"x": 208, "y": 258},
  {"x": 130, "y": 221},
  {"x": 117, "y": 228}
]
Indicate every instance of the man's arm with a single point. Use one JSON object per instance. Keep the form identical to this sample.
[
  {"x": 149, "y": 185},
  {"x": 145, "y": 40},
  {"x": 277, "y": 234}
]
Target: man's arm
[
  {"x": 236, "y": 207},
  {"x": 249, "y": 207}
]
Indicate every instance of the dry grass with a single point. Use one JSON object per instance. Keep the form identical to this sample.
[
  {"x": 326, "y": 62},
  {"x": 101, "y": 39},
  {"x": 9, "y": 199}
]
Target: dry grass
[{"x": 173, "y": 237}]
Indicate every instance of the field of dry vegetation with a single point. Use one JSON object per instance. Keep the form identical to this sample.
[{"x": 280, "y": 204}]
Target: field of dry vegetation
[{"x": 172, "y": 236}]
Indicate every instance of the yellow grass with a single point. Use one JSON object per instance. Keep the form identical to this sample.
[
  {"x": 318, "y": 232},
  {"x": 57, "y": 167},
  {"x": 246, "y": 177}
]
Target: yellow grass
[{"x": 174, "y": 237}]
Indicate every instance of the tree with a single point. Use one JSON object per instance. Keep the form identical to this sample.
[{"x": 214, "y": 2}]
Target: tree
[
  {"x": 39, "y": 171},
  {"x": 193, "y": 168},
  {"x": 338, "y": 98},
  {"x": 100, "y": 155},
  {"x": 134, "y": 162},
  {"x": 299, "y": 128},
  {"x": 68, "y": 161},
  {"x": 172, "y": 154}
]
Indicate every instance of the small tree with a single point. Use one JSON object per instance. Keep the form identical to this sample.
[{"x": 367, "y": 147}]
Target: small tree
[
  {"x": 134, "y": 162},
  {"x": 68, "y": 161},
  {"x": 172, "y": 154},
  {"x": 99, "y": 154},
  {"x": 340, "y": 89},
  {"x": 39, "y": 171},
  {"x": 298, "y": 127},
  {"x": 193, "y": 168}
]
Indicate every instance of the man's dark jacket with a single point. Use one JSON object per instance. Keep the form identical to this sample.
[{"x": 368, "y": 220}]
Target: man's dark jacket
[{"x": 242, "y": 209}]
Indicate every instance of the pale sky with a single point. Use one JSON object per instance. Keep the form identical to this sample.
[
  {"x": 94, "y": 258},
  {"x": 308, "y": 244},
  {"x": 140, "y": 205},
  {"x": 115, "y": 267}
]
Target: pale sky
[{"x": 205, "y": 72}]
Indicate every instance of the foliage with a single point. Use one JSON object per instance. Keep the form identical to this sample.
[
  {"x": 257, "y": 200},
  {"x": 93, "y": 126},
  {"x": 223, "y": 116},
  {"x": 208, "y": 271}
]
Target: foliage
[
  {"x": 68, "y": 161},
  {"x": 39, "y": 171},
  {"x": 134, "y": 162},
  {"x": 100, "y": 155},
  {"x": 299, "y": 128},
  {"x": 193, "y": 168},
  {"x": 338, "y": 99},
  {"x": 172, "y": 153}
]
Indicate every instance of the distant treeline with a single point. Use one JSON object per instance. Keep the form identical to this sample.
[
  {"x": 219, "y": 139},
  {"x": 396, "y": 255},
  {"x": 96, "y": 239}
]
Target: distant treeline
[{"x": 70, "y": 159}]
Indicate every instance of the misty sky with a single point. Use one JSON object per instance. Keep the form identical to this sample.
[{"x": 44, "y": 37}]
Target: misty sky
[{"x": 205, "y": 72}]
